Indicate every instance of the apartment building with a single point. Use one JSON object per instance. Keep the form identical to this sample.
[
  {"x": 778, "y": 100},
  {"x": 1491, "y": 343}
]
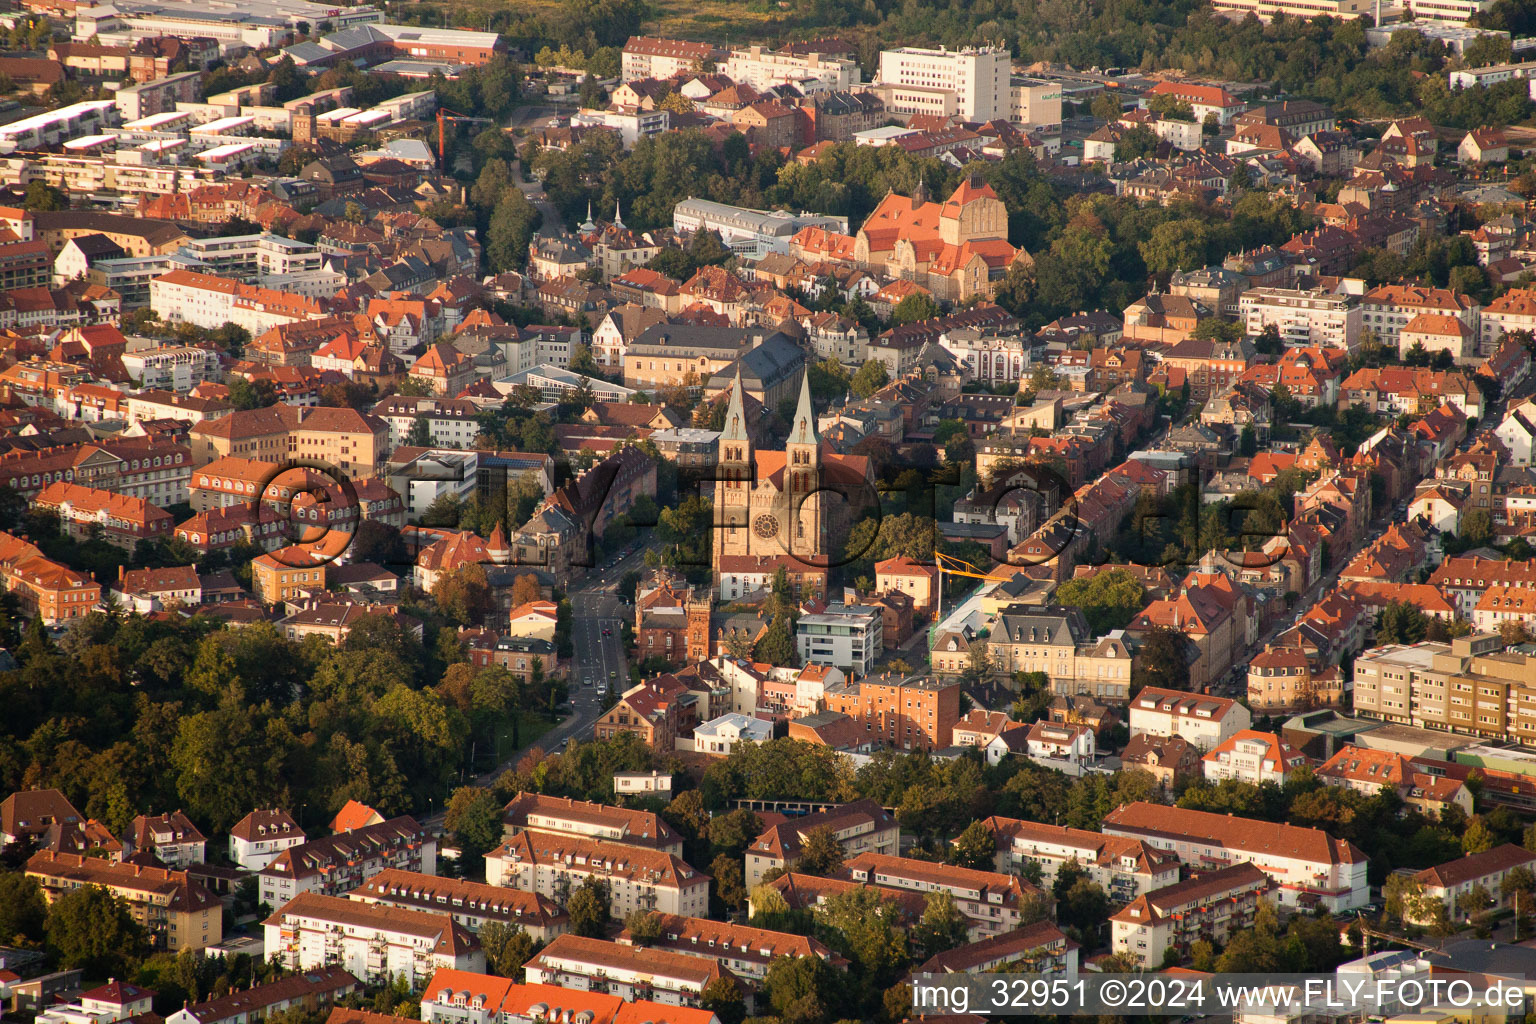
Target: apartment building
[
  {"x": 860, "y": 827},
  {"x": 849, "y": 637},
  {"x": 1390, "y": 308},
  {"x": 172, "y": 367},
  {"x": 288, "y": 574},
  {"x": 552, "y": 865},
  {"x": 177, "y": 912},
  {"x": 1309, "y": 866},
  {"x": 470, "y": 904},
  {"x": 973, "y": 83},
  {"x": 1124, "y": 868},
  {"x": 1420, "y": 783},
  {"x": 1470, "y": 686},
  {"x": 744, "y": 952},
  {"x": 206, "y": 300},
  {"x": 1212, "y": 906},
  {"x": 989, "y": 900},
  {"x": 1255, "y": 757},
  {"x": 45, "y": 589},
  {"x": 1039, "y": 948},
  {"x": 136, "y": 467},
  {"x": 1206, "y": 721},
  {"x": 1454, "y": 881},
  {"x": 230, "y": 480},
  {"x": 256, "y": 839},
  {"x": 374, "y": 942},
  {"x": 1304, "y": 317},
  {"x": 916, "y": 713},
  {"x": 1515, "y": 310},
  {"x": 628, "y": 972},
  {"x": 172, "y": 838},
  {"x": 1466, "y": 578},
  {"x": 335, "y": 865},
  {"x": 563, "y": 816},
  {"x": 651, "y": 57},
  {"x": 118, "y": 519},
  {"x": 450, "y": 422},
  {"x": 810, "y": 72},
  {"x": 354, "y": 443},
  {"x": 307, "y": 993}
]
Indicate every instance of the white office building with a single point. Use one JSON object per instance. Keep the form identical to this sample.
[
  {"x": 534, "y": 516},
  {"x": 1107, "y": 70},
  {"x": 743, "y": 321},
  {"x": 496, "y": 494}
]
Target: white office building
[
  {"x": 810, "y": 72},
  {"x": 973, "y": 82},
  {"x": 1304, "y": 317},
  {"x": 849, "y": 637},
  {"x": 750, "y": 233}
]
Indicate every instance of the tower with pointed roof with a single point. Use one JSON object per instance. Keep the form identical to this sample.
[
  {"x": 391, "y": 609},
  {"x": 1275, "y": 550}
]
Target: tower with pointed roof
[
  {"x": 802, "y": 473},
  {"x": 736, "y": 480}
]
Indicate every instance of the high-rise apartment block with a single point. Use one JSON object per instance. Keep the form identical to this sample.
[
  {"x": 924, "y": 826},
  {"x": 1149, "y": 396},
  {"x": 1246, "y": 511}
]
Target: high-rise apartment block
[{"x": 972, "y": 82}]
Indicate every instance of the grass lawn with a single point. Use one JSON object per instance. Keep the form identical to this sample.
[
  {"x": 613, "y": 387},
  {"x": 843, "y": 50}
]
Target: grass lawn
[
  {"x": 695, "y": 19},
  {"x": 530, "y": 726}
]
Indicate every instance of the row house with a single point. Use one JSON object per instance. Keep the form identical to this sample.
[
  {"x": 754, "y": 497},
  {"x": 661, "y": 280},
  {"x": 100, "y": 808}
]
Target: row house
[
  {"x": 1389, "y": 309},
  {"x": 563, "y": 816},
  {"x": 134, "y": 467},
  {"x": 745, "y": 952},
  {"x": 990, "y": 902},
  {"x": 1039, "y": 948},
  {"x": 630, "y": 972},
  {"x": 1310, "y": 867},
  {"x": 376, "y": 943},
  {"x": 1124, "y": 868},
  {"x": 471, "y": 904},
  {"x": 335, "y": 865},
  {"x": 553, "y": 865},
  {"x": 121, "y": 521},
  {"x": 460, "y": 997},
  {"x": 1419, "y": 783},
  {"x": 303, "y": 993},
  {"x": 1211, "y": 907},
  {"x": 860, "y": 827},
  {"x": 1413, "y": 390},
  {"x": 178, "y": 913},
  {"x": 45, "y": 589},
  {"x": 1452, "y": 883},
  {"x": 1465, "y": 579}
]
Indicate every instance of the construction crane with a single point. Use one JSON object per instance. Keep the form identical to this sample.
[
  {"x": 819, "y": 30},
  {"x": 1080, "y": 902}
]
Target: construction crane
[
  {"x": 960, "y": 567},
  {"x": 445, "y": 117}
]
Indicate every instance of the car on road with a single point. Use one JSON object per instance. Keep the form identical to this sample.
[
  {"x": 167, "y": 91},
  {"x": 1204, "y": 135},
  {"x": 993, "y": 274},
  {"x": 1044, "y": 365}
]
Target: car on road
[
  {"x": 607, "y": 631},
  {"x": 612, "y": 674}
]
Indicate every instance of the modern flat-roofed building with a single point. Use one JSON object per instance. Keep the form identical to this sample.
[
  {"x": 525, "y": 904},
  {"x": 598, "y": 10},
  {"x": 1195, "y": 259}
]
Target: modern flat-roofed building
[
  {"x": 750, "y": 233},
  {"x": 1310, "y": 867},
  {"x": 973, "y": 82},
  {"x": 849, "y": 637}
]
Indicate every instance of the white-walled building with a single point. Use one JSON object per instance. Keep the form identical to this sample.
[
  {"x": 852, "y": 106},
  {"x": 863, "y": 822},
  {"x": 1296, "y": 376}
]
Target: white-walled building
[
  {"x": 257, "y": 839},
  {"x": 1254, "y": 757},
  {"x": 1060, "y": 741},
  {"x": 471, "y": 904},
  {"x": 637, "y": 878},
  {"x": 973, "y": 82},
  {"x": 720, "y": 735},
  {"x": 810, "y": 72},
  {"x": 630, "y": 972},
  {"x": 337, "y": 864},
  {"x": 1304, "y": 316},
  {"x": 1214, "y": 907},
  {"x": 1308, "y": 864},
  {"x": 1203, "y": 720},
  {"x": 1124, "y": 868},
  {"x": 849, "y": 637},
  {"x": 582, "y": 819},
  {"x": 375, "y": 943},
  {"x": 173, "y": 367}
]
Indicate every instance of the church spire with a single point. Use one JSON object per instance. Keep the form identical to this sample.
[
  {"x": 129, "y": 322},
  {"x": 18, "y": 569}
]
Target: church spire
[
  {"x": 618, "y": 219},
  {"x": 803, "y": 429},
  {"x": 735, "y": 413},
  {"x": 589, "y": 225}
]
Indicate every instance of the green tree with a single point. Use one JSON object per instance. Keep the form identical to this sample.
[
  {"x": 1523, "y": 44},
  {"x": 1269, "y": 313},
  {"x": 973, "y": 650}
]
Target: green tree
[
  {"x": 507, "y": 947},
  {"x": 821, "y": 854},
  {"x": 1477, "y": 528},
  {"x": 974, "y": 848},
  {"x": 588, "y": 908},
  {"x": 1400, "y": 623},
  {"x": 644, "y": 926},
  {"x": 869, "y": 378},
  {"x": 941, "y": 928},
  {"x": 1477, "y": 838},
  {"x": 511, "y": 229},
  {"x": 777, "y": 644},
  {"x": 22, "y": 909},
  {"x": 420, "y": 435},
  {"x": 1108, "y": 599},
  {"x": 92, "y": 929},
  {"x": 723, "y": 998},
  {"x": 861, "y": 924},
  {"x": 42, "y": 197},
  {"x": 915, "y": 307},
  {"x": 474, "y": 821},
  {"x": 1161, "y": 661}
]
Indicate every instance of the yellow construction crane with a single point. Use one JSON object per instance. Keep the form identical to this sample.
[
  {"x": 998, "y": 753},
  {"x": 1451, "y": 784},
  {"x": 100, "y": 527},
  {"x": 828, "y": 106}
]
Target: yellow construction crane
[{"x": 960, "y": 567}]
